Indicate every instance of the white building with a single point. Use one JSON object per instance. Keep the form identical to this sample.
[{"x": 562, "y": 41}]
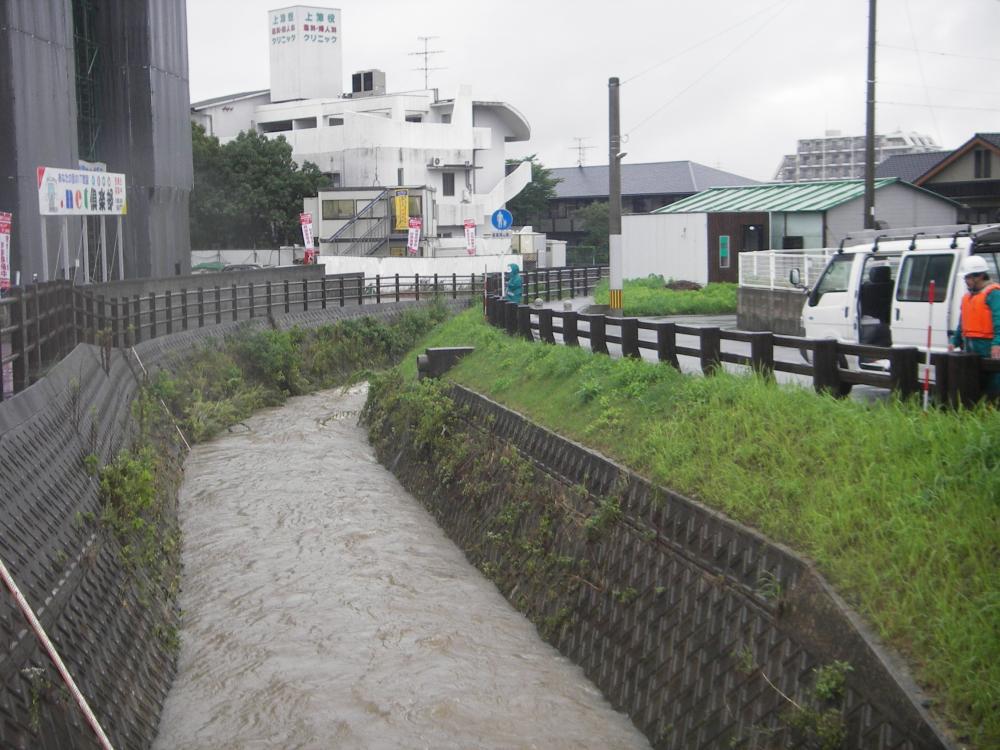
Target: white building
[
  {"x": 837, "y": 157},
  {"x": 449, "y": 153}
]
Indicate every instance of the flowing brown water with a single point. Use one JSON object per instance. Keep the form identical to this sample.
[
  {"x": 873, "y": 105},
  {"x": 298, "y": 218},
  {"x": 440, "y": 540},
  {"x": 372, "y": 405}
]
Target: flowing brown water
[{"x": 324, "y": 608}]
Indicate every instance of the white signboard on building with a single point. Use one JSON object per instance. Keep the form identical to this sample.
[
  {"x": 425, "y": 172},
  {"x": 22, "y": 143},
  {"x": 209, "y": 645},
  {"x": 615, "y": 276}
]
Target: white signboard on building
[
  {"x": 306, "y": 52},
  {"x": 75, "y": 192}
]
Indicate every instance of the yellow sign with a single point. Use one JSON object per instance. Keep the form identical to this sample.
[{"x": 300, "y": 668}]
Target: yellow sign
[{"x": 402, "y": 199}]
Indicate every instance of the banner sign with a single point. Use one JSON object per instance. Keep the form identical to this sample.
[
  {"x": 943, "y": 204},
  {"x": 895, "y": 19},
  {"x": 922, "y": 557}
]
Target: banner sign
[
  {"x": 413, "y": 236},
  {"x": 402, "y": 200},
  {"x": 470, "y": 236},
  {"x": 5, "y": 222},
  {"x": 75, "y": 192},
  {"x": 306, "y": 220}
]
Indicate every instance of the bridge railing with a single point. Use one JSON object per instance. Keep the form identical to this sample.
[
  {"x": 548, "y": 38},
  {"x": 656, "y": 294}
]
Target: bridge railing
[
  {"x": 41, "y": 323},
  {"x": 958, "y": 376}
]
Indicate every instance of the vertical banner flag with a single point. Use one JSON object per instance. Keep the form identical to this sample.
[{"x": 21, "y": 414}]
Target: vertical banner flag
[
  {"x": 413, "y": 237},
  {"x": 470, "y": 236},
  {"x": 402, "y": 200},
  {"x": 306, "y": 220},
  {"x": 5, "y": 222}
]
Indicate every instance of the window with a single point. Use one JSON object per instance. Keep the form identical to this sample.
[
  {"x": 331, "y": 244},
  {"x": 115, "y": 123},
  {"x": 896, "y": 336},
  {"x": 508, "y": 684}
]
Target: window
[
  {"x": 446, "y": 119},
  {"x": 335, "y": 179},
  {"x": 399, "y": 176},
  {"x": 448, "y": 183},
  {"x": 414, "y": 118},
  {"x": 834, "y": 278},
  {"x": 338, "y": 209},
  {"x": 982, "y": 167},
  {"x": 278, "y": 126},
  {"x": 917, "y": 273},
  {"x": 334, "y": 121}
]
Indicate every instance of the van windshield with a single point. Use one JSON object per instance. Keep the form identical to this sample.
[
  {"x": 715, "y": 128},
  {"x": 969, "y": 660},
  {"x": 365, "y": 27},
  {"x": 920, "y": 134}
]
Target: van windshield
[{"x": 834, "y": 278}]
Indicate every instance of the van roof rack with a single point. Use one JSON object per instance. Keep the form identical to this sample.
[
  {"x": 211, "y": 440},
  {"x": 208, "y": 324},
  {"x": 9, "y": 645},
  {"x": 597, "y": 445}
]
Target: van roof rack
[{"x": 911, "y": 233}]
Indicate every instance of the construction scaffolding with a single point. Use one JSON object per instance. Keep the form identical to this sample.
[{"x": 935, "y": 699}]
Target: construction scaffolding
[{"x": 87, "y": 51}]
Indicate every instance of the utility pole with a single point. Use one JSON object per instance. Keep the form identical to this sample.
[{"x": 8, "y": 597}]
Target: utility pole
[
  {"x": 870, "y": 124},
  {"x": 426, "y": 54},
  {"x": 615, "y": 156}
]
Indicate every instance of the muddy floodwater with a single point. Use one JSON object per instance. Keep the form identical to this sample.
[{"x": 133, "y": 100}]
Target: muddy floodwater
[{"x": 324, "y": 608}]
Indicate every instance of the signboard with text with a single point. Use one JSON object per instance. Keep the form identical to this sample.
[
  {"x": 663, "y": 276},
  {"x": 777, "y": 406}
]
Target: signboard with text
[
  {"x": 306, "y": 52},
  {"x": 401, "y": 201},
  {"x": 75, "y": 192},
  {"x": 470, "y": 236},
  {"x": 306, "y": 221},
  {"x": 6, "y": 220},
  {"x": 413, "y": 237}
]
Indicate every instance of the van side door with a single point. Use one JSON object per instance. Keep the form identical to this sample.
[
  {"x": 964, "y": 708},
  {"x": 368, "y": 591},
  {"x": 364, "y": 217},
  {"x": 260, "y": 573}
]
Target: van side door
[{"x": 912, "y": 310}]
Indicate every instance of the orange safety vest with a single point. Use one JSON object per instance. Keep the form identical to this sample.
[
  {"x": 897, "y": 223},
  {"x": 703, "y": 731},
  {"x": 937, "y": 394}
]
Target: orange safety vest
[{"x": 977, "y": 317}]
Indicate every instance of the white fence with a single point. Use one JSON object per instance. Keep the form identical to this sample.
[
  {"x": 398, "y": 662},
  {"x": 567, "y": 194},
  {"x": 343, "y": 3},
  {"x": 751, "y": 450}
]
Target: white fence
[{"x": 769, "y": 269}]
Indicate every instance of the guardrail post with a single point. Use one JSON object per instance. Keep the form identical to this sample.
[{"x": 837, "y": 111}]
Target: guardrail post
[
  {"x": 598, "y": 333},
  {"x": 102, "y": 318},
  {"x": 826, "y": 361},
  {"x": 378, "y": 289},
  {"x": 115, "y": 333},
  {"x": 152, "y": 315},
  {"x": 236, "y": 302},
  {"x": 268, "y": 297},
  {"x": 218, "y": 304},
  {"x": 454, "y": 285},
  {"x": 184, "y": 309},
  {"x": 630, "y": 337},
  {"x": 524, "y": 322},
  {"x": 965, "y": 386},
  {"x": 137, "y": 317},
  {"x": 396, "y": 282},
  {"x": 168, "y": 306},
  {"x": 762, "y": 353},
  {"x": 340, "y": 283},
  {"x": 288, "y": 295},
  {"x": 88, "y": 318},
  {"x": 548, "y": 285},
  {"x": 305, "y": 295},
  {"x": 510, "y": 317},
  {"x": 571, "y": 329},
  {"x": 939, "y": 360},
  {"x": 666, "y": 344},
  {"x": 711, "y": 349},
  {"x": 253, "y": 300},
  {"x": 416, "y": 285},
  {"x": 545, "y": 332},
  {"x": 904, "y": 364},
  {"x": 323, "y": 293},
  {"x": 201, "y": 307},
  {"x": 19, "y": 340}
]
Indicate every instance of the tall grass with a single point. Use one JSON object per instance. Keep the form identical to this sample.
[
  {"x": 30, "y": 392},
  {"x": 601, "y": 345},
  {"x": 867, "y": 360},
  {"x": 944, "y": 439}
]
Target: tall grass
[
  {"x": 900, "y": 509},
  {"x": 649, "y": 296}
]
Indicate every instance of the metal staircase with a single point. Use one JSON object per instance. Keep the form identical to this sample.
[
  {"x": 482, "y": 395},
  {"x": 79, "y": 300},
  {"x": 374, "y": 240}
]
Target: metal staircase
[{"x": 366, "y": 233}]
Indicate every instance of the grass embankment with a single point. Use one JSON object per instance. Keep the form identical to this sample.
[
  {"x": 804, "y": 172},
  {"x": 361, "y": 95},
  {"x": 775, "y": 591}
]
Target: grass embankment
[
  {"x": 649, "y": 296},
  {"x": 899, "y": 509},
  {"x": 218, "y": 386}
]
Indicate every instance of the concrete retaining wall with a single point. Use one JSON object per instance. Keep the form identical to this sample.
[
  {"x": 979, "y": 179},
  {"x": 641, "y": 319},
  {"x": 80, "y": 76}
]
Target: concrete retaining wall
[
  {"x": 775, "y": 310},
  {"x": 700, "y": 629},
  {"x": 112, "y": 630}
]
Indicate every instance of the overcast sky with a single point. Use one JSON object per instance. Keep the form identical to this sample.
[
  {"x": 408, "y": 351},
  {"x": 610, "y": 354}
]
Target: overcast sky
[{"x": 728, "y": 83}]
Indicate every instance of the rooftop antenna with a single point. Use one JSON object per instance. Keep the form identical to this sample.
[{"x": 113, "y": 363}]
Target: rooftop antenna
[
  {"x": 426, "y": 54},
  {"x": 581, "y": 151}
]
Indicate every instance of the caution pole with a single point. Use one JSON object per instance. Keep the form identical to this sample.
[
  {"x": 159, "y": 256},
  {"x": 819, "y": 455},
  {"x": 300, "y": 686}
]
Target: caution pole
[{"x": 927, "y": 362}]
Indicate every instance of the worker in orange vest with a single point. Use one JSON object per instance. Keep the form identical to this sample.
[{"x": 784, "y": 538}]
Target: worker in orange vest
[{"x": 979, "y": 326}]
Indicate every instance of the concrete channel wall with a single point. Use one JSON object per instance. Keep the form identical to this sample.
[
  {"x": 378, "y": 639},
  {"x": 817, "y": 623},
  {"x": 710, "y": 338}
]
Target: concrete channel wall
[
  {"x": 112, "y": 629},
  {"x": 705, "y": 633}
]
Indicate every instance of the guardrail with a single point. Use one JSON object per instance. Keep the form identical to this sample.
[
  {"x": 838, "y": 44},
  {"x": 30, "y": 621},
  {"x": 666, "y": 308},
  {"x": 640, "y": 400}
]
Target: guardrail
[
  {"x": 958, "y": 375},
  {"x": 41, "y": 323}
]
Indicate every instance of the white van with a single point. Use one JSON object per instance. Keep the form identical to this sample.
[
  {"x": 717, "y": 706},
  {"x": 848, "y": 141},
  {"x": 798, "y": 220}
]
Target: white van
[{"x": 877, "y": 291}]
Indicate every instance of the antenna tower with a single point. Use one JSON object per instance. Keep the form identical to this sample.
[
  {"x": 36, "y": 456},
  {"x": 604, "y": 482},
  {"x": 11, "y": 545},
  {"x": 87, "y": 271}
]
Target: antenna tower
[
  {"x": 426, "y": 54},
  {"x": 581, "y": 149}
]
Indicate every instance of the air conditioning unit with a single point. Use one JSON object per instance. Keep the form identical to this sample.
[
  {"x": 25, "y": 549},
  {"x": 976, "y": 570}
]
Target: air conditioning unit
[
  {"x": 435, "y": 162},
  {"x": 468, "y": 163}
]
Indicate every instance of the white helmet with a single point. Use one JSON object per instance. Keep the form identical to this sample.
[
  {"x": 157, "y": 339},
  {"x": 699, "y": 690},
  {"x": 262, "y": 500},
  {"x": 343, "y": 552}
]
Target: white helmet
[{"x": 974, "y": 264}]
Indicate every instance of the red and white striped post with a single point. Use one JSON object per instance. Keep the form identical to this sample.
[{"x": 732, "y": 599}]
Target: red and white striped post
[{"x": 927, "y": 362}]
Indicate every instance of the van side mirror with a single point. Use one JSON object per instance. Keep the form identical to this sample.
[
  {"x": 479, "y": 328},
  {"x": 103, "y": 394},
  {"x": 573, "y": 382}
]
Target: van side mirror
[{"x": 795, "y": 278}]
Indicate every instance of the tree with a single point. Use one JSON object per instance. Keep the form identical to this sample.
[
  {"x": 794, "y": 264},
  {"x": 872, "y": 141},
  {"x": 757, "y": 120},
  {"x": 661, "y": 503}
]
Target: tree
[
  {"x": 247, "y": 192},
  {"x": 532, "y": 203},
  {"x": 595, "y": 220}
]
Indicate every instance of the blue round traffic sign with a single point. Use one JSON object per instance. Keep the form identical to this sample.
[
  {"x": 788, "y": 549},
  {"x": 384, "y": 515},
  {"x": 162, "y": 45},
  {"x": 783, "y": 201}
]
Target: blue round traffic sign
[{"x": 502, "y": 219}]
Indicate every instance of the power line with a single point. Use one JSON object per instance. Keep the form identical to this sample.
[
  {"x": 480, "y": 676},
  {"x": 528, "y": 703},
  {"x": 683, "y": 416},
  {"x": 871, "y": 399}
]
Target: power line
[
  {"x": 704, "y": 41},
  {"x": 736, "y": 48},
  {"x": 920, "y": 68},
  {"x": 943, "y": 54},
  {"x": 980, "y": 92},
  {"x": 940, "y": 106},
  {"x": 426, "y": 54}
]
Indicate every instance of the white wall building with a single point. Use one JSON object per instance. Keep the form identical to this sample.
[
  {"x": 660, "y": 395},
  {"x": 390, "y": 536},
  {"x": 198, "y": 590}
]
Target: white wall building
[
  {"x": 452, "y": 151},
  {"x": 836, "y": 156}
]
